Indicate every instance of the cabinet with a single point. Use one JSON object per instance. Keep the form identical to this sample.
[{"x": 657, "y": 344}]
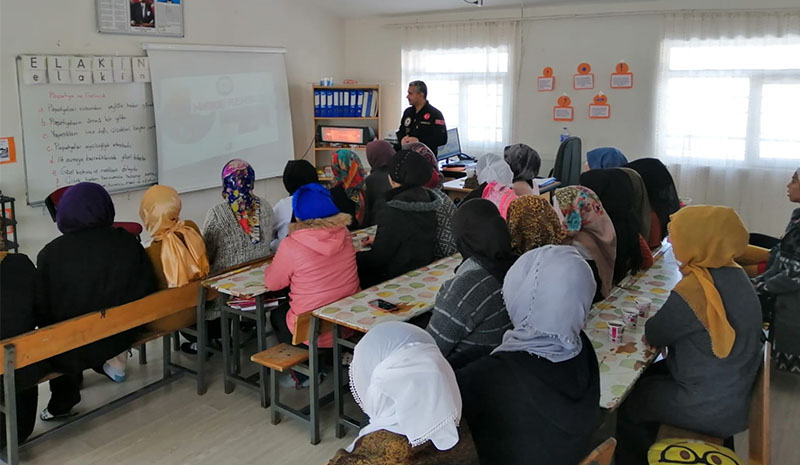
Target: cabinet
[{"x": 349, "y": 105}]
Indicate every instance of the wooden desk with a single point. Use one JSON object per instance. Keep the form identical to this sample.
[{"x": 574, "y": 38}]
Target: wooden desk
[
  {"x": 456, "y": 190},
  {"x": 417, "y": 289},
  {"x": 622, "y": 364}
]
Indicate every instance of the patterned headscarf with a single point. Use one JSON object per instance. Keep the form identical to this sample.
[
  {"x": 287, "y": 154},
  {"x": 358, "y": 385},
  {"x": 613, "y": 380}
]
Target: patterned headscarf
[
  {"x": 83, "y": 206},
  {"x": 589, "y": 225},
  {"x": 349, "y": 172},
  {"x": 238, "y": 180},
  {"x": 706, "y": 237},
  {"x": 533, "y": 223},
  {"x": 435, "y": 182}
]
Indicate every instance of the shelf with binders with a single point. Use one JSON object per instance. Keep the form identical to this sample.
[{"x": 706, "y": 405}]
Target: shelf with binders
[{"x": 351, "y": 105}]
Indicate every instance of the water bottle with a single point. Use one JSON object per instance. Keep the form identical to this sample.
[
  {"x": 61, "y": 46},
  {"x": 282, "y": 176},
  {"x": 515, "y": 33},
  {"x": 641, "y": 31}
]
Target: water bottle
[{"x": 564, "y": 135}]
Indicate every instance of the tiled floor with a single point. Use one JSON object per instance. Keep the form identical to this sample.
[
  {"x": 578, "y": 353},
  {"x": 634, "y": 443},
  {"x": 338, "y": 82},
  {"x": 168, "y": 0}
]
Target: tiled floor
[{"x": 175, "y": 426}]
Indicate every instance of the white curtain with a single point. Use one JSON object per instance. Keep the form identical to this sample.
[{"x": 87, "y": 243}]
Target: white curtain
[
  {"x": 728, "y": 97},
  {"x": 471, "y": 73}
]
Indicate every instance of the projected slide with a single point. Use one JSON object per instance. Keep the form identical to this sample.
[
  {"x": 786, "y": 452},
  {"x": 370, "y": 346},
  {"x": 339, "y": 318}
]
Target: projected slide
[
  {"x": 209, "y": 116},
  {"x": 212, "y": 104}
]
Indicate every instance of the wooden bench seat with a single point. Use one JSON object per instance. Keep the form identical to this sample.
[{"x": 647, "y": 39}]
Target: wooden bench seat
[
  {"x": 281, "y": 357},
  {"x": 44, "y": 343}
]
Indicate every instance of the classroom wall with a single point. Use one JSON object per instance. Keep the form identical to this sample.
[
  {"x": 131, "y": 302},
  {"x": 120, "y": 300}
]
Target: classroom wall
[
  {"x": 560, "y": 37},
  {"x": 314, "y": 41}
]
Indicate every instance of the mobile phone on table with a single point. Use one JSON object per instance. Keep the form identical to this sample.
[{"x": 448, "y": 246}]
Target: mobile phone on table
[{"x": 383, "y": 305}]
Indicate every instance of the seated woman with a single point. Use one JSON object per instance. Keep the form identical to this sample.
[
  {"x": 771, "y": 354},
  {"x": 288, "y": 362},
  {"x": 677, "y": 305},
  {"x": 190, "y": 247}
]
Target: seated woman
[
  {"x": 406, "y": 235},
  {"x": 779, "y": 288},
  {"x": 177, "y": 250},
  {"x": 590, "y": 230},
  {"x": 445, "y": 241},
  {"x": 401, "y": 381},
  {"x": 296, "y": 173},
  {"x": 662, "y": 195},
  {"x": 348, "y": 185},
  {"x": 316, "y": 261},
  {"x": 711, "y": 327},
  {"x": 533, "y": 223},
  {"x": 469, "y": 317},
  {"x": 114, "y": 270},
  {"x": 641, "y": 204},
  {"x": 235, "y": 231},
  {"x": 435, "y": 181},
  {"x": 525, "y": 163},
  {"x": 615, "y": 190},
  {"x": 496, "y": 181},
  {"x": 21, "y": 303},
  {"x": 605, "y": 157},
  {"x": 535, "y": 399},
  {"x": 379, "y": 154}
]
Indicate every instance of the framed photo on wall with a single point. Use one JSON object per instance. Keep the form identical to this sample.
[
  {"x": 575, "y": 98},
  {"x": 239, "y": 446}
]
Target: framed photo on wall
[{"x": 141, "y": 17}]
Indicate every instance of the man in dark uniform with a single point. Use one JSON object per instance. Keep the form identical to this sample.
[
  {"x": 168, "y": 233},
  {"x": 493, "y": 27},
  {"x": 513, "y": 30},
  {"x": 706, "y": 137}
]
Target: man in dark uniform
[{"x": 421, "y": 122}]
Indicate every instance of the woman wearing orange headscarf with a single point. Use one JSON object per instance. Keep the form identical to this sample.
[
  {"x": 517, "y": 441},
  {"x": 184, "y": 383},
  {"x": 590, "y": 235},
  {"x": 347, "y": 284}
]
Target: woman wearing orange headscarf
[
  {"x": 177, "y": 251},
  {"x": 711, "y": 326}
]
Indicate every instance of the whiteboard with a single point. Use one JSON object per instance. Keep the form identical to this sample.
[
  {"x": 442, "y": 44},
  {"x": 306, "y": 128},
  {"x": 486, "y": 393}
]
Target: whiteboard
[
  {"x": 216, "y": 103},
  {"x": 71, "y": 133}
]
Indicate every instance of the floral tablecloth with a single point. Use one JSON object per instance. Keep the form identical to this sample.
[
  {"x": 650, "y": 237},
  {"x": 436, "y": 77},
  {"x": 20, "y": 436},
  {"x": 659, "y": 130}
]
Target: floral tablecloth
[
  {"x": 622, "y": 363},
  {"x": 249, "y": 281},
  {"x": 415, "y": 291}
]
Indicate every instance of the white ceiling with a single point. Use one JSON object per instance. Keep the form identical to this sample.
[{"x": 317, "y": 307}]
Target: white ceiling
[{"x": 364, "y": 8}]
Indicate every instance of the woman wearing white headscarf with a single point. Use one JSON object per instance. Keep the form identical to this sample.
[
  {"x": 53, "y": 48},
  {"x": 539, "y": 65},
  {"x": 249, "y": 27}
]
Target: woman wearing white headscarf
[
  {"x": 403, "y": 383},
  {"x": 533, "y": 401},
  {"x": 496, "y": 183}
]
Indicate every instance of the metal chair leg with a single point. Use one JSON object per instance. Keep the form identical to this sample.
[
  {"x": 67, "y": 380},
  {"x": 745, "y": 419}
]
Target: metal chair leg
[
  {"x": 274, "y": 415},
  {"x": 143, "y": 354}
]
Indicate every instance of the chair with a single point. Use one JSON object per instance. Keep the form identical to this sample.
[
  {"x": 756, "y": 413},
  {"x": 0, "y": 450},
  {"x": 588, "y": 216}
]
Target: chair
[
  {"x": 759, "y": 448},
  {"x": 284, "y": 357},
  {"x": 567, "y": 169},
  {"x": 602, "y": 454}
]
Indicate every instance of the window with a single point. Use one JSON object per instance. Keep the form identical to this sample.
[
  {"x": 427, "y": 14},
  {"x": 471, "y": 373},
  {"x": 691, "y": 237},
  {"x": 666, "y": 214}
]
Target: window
[
  {"x": 733, "y": 102},
  {"x": 471, "y": 87}
]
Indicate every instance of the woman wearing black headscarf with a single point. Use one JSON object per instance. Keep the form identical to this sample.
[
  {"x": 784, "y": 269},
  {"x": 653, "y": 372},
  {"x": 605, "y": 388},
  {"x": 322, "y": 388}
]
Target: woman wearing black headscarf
[
  {"x": 406, "y": 234},
  {"x": 662, "y": 194},
  {"x": 91, "y": 267},
  {"x": 525, "y": 163},
  {"x": 379, "y": 154},
  {"x": 469, "y": 316},
  {"x": 20, "y": 307},
  {"x": 297, "y": 173},
  {"x": 615, "y": 189}
]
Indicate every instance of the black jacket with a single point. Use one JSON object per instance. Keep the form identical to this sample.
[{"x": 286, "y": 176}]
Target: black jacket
[
  {"x": 524, "y": 409},
  {"x": 375, "y": 196},
  {"x": 427, "y": 125},
  {"x": 405, "y": 238},
  {"x": 20, "y": 307},
  {"x": 90, "y": 270}
]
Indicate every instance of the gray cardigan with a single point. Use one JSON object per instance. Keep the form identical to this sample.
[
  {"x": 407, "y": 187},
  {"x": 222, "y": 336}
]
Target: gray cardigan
[
  {"x": 228, "y": 245},
  {"x": 469, "y": 316},
  {"x": 702, "y": 392}
]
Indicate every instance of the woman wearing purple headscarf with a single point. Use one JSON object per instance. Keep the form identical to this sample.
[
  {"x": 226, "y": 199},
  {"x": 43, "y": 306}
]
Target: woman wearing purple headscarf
[{"x": 92, "y": 266}]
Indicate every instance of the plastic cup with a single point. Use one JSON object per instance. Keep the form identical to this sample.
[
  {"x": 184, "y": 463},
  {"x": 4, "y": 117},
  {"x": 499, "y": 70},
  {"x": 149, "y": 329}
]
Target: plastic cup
[
  {"x": 643, "y": 305},
  {"x": 630, "y": 316},
  {"x": 615, "y": 330}
]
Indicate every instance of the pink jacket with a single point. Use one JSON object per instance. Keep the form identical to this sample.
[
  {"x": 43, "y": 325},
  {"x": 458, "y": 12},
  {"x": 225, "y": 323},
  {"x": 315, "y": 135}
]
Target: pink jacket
[{"x": 318, "y": 262}]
